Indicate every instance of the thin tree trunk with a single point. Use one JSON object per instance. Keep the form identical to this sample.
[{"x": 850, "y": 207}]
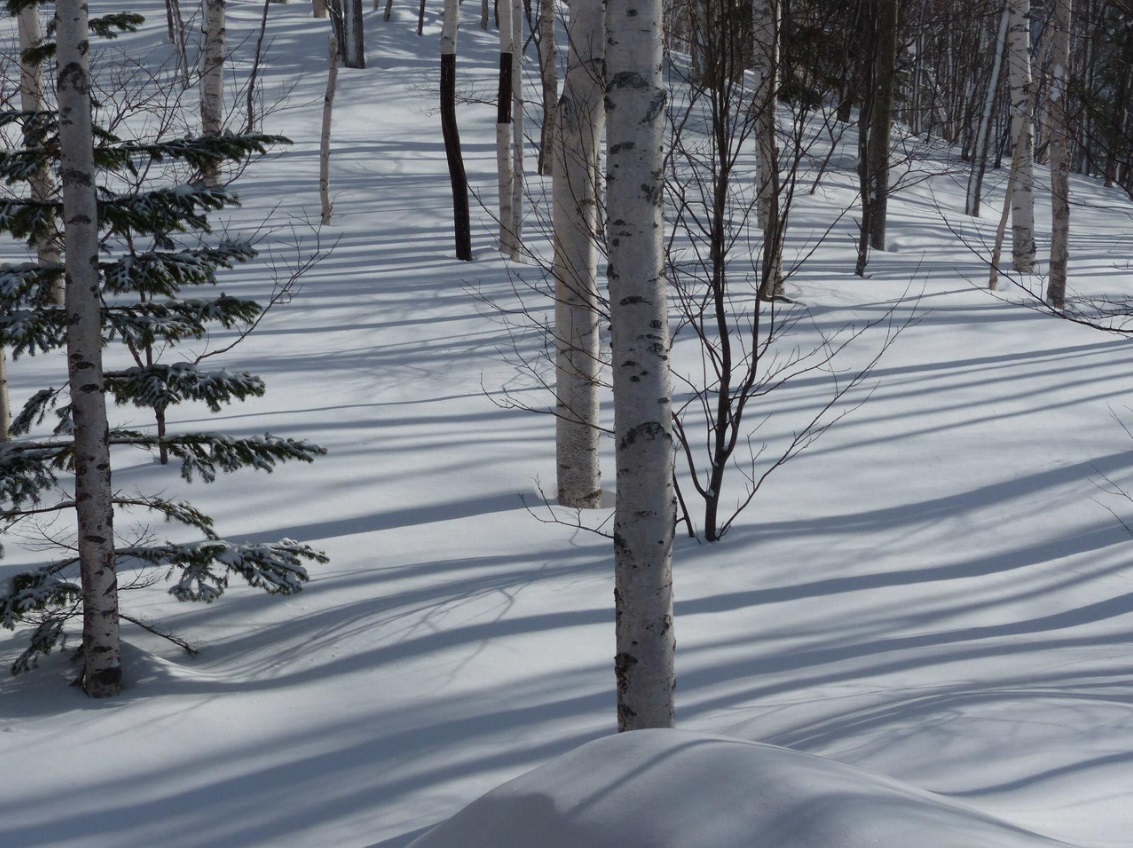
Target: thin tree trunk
[
  {"x": 324, "y": 138},
  {"x": 1113, "y": 157},
  {"x": 461, "y": 219},
  {"x": 485, "y": 11},
  {"x": 881, "y": 122},
  {"x": 983, "y": 134},
  {"x": 504, "y": 169},
  {"x": 354, "y": 41},
  {"x": 1022, "y": 134},
  {"x": 102, "y": 671},
  {"x": 212, "y": 78},
  {"x": 5, "y": 397},
  {"x": 253, "y": 76},
  {"x": 645, "y": 512},
  {"x": 549, "y": 77},
  {"x": 575, "y": 189},
  {"x": 319, "y": 8},
  {"x": 517, "y": 124},
  {"x": 1059, "y": 156},
  {"x": 766, "y": 21}
]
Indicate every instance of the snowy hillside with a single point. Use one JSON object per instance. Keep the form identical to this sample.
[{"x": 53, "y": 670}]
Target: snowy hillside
[{"x": 937, "y": 593}]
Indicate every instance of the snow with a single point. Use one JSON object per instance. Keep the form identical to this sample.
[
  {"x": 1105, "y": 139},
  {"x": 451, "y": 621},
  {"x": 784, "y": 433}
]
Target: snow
[
  {"x": 936, "y": 593},
  {"x": 679, "y": 789}
]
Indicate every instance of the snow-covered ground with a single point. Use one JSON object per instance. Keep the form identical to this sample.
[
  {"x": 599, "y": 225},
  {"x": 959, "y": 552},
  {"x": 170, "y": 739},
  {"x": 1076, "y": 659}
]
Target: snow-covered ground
[{"x": 937, "y": 592}]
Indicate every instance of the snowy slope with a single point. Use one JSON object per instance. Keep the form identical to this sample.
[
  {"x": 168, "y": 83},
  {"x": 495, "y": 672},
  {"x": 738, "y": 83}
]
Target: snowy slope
[
  {"x": 678, "y": 789},
  {"x": 936, "y": 592}
]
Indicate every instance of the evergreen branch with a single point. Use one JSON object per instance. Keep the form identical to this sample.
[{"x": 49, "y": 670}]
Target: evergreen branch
[
  {"x": 160, "y": 211},
  {"x": 29, "y": 220},
  {"x": 201, "y": 153},
  {"x": 206, "y": 566},
  {"x": 207, "y": 453},
  {"x": 179, "y": 511},
  {"x": 34, "y": 411},
  {"x": 165, "y": 272},
  {"x": 143, "y": 324},
  {"x": 28, "y": 468},
  {"x": 29, "y": 332},
  {"x": 35, "y": 591},
  {"x": 159, "y": 386}
]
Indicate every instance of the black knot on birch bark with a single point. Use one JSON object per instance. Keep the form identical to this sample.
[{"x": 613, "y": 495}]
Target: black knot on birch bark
[
  {"x": 71, "y": 76},
  {"x": 628, "y": 79},
  {"x": 649, "y": 430}
]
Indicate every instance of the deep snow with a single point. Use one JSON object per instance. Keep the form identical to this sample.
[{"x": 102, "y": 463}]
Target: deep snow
[{"x": 936, "y": 591}]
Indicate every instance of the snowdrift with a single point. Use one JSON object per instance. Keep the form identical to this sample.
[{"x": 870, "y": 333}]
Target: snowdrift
[{"x": 678, "y": 789}]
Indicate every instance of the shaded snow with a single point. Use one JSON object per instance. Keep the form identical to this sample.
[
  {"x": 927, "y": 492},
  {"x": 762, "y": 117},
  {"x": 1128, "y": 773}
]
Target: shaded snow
[
  {"x": 935, "y": 592},
  {"x": 678, "y": 789}
]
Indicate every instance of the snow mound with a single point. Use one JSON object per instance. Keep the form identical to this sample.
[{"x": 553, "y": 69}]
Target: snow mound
[{"x": 677, "y": 789}]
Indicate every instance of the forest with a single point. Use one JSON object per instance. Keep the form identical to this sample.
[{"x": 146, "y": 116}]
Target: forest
[{"x": 637, "y": 423}]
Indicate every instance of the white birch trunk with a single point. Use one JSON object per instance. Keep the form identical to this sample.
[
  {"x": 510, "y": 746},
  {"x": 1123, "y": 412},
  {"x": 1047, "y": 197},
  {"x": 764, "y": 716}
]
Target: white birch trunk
[
  {"x": 580, "y": 123},
  {"x": 549, "y": 79},
  {"x": 517, "y": 124},
  {"x": 1059, "y": 156},
  {"x": 102, "y": 672},
  {"x": 983, "y": 134},
  {"x": 504, "y": 169},
  {"x": 319, "y": 8},
  {"x": 324, "y": 138},
  {"x": 450, "y": 27},
  {"x": 354, "y": 42},
  {"x": 5, "y": 397},
  {"x": 212, "y": 77},
  {"x": 32, "y": 100},
  {"x": 1022, "y": 134},
  {"x": 766, "y": 31},
  {"x": 645, "y": 512}
]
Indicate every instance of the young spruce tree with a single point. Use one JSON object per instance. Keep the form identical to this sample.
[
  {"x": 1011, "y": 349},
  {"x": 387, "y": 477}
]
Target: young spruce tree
[{"x": 153, "y": 248}]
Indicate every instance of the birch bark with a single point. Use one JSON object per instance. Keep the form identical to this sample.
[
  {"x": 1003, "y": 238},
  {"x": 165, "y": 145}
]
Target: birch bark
[
  {"x": 645, "y": 511},
  {"x": 580, "y": 124},
  {"x": 1059, "y": 156},
  {"x": 983, "y": 134},
  {"x": 517, "y": 124},
  {"x": 212, "y": 77},
  {"x": 462, "y": 226},
  {"x": 1022, "y": 135},
  {"x": 324, "y": 138},
  {"x": 549, "y": 78},
  {"x": 102, "y": 670},
  {"x": 504, "y": 168},
  {"x": 32, "y": 100}
]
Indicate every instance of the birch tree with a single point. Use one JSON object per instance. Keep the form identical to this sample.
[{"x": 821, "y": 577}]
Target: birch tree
[
  {"x": 504, "y": 100},
  {"x": 580, "y": 124},
  {"x": 645, "y": 511},
  {"x": 1059, "y": 156},
  {"x": 212, "y": 77},
  {"x": 462, "y": 225},
  {"x": 549, "y": 79},
  {"x": 134, "y": 235},
  {"x": 518, "y": 184},
  {"x": 983, "y": 132},
  {"x": 102, "y": 666},
  {"x": 324, "y": 136},
  {"x": 1022, "y": 137}
]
